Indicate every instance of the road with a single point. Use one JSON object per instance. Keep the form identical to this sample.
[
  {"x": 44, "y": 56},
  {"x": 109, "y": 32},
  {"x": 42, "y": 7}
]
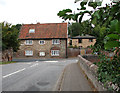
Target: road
[{"x": 33, "y": 76}]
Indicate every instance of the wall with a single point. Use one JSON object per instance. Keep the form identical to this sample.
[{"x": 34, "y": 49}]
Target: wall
[
  {"x": 7, "y": 55},
  {"x": 73, "y": 52},
  {"x": 91, "y": 58},
  {"x": 91, "y": 71},
  {"x": 85, "y": 43},
  {"x": 36, "y": 48}
]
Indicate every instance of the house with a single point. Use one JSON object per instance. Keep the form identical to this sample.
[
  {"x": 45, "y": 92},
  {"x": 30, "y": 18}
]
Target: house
[
  {"x": 82, "y": 41},
  {"x": 43, "y": 40}
]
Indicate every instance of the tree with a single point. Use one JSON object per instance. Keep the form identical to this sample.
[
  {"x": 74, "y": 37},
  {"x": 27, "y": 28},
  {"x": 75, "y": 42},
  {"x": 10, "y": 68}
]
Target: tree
[
  {"x": 83, "y": 28},
  {"x": 9, "y": 36},
  {"x": 74, "y": 29},
  {"x": 105, "y": 22}
]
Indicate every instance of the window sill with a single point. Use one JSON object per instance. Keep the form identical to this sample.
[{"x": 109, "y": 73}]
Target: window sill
[
  {"x": 28, "y": 55},
  {"x": 55, "y": 44},
  {"x": 55, "y": 55},
  {"x": 28, "y": 45}
]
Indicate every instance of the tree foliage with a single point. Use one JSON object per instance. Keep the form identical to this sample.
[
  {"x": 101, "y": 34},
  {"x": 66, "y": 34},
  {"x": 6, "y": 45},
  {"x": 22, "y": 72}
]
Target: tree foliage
[
  {"x": 76, "y": 29},
  {"x": 10, "y": 36},
  {"x": 104, "y": 24}
]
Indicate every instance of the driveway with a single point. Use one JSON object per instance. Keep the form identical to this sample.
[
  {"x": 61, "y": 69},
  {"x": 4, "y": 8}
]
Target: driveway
[{"x": 33, "y": 75}]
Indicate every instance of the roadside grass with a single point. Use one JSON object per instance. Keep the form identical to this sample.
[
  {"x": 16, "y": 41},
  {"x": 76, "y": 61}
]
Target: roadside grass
[{"x": 2, "y": 63}]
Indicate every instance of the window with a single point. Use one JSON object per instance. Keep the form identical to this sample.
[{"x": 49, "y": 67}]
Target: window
[
  {"x": 79, "y": 40},
  {"x": 32, "y": 31},
  {"x": 42, "y": 42},
  {"x": 42, "y": 54},
  {"x": 90, "y": 40},
  {"x": 55, "y": 41},
  {"x": 54, "y": 52},
  {"x": 29, "y": 53},
  {"x": 28, "y": 42},
  {"x": 70, "y": 42}
]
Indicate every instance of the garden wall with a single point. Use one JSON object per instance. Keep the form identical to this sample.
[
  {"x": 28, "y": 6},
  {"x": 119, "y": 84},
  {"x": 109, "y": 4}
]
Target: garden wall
[
  {"x": 7, "y": 55},
  {"x": 91, "y": 58},
  {"x": 71, "y": 52},
  {"x": 74, "y": 52},
  {"x": 90, "y": 70}
]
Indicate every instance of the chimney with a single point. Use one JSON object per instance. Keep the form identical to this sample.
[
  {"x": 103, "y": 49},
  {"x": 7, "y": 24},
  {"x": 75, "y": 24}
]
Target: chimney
[{"x": 38, "y": 23}]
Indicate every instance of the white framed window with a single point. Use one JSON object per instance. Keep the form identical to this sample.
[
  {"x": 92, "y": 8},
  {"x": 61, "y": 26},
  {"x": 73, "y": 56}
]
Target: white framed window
[
  {"x": 41, "y": 53},
  {"x": 56, "y": 41},
  {"x": 28, "y": 42},
  {"x": 41, "y": 42},
  {"x": 54, "y": 52},
  {"x": 31, "y": 30},
  {"x": 28, "y": 53}
]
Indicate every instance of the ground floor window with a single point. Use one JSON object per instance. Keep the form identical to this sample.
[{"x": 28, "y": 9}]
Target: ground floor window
[
  {"x": 42, "y": 54},
  {"x": 79, "y": 40},
  {"x": 29, "y": 53},
  {"x": 54, "y": 52}
]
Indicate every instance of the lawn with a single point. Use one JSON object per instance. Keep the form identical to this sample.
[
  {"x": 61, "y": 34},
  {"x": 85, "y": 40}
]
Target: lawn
[{"x": 7, "y": 62}]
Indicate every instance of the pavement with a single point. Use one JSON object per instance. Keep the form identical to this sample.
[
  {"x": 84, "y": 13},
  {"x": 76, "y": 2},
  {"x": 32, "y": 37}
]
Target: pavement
[{"x": 73, "y": 79}]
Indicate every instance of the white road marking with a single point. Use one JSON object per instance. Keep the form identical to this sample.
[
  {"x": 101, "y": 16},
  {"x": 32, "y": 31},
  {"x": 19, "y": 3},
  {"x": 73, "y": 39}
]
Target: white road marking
[
  {"x": 28, "y": 63},
  {"x": 14, "y": 73},
  {"x": 34, "y": 65},
  {"x": 51, "y": 61}
]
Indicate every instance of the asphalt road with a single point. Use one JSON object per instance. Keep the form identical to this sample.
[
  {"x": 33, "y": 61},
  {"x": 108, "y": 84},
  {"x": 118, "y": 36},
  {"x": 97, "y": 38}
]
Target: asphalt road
[{"x": 33, "y": 76}]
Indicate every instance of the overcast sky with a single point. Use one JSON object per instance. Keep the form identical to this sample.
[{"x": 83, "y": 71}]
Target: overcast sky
[{"x": 33, "y": 11}]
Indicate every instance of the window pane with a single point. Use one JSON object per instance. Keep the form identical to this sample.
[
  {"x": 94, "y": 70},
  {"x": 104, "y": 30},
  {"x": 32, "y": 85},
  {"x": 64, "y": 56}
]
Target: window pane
[
  {"x": 55, "y": 41},
  {"x": 42, "y": 53},
  {"x": 32, "y": 31},
  {"x": 29, "y": 42},
  {"x": 28, "y": 52},
  {"x": 55, "y": 52},
  {"x": 42, "y": 41}
]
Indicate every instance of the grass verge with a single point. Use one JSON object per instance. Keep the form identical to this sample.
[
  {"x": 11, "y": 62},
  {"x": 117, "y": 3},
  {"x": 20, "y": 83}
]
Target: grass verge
[{"x": 2, "y": 63}]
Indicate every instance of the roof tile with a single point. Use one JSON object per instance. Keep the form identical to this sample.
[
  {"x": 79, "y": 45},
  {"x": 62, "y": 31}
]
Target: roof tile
[{"x": 50, "y": 30}]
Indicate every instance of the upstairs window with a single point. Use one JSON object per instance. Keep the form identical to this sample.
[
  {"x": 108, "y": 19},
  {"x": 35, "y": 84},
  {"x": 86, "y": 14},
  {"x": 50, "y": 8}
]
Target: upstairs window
[
  {"x": 32, "y": 31},
  {"x": 90, "y": 40},
  {"x": 79, "y": 40},
  {"x": 55, "y": 41},
  {"x": 42, "y": 42},
  {"x": 28, "y": 42}
]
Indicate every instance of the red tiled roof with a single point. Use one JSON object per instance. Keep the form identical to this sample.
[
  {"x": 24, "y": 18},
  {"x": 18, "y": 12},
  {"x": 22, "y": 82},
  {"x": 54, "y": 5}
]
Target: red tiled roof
[{"x": 50, "y": 30}]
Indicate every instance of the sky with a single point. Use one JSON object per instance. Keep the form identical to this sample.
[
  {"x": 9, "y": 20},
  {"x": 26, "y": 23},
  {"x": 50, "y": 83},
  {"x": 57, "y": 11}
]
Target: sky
[{"x": 33, "y": 11}]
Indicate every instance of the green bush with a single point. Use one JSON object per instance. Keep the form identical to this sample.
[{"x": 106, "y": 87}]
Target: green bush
[
  {"x": 70, "y": 46},
  {"x": 109, "y": 71}
]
